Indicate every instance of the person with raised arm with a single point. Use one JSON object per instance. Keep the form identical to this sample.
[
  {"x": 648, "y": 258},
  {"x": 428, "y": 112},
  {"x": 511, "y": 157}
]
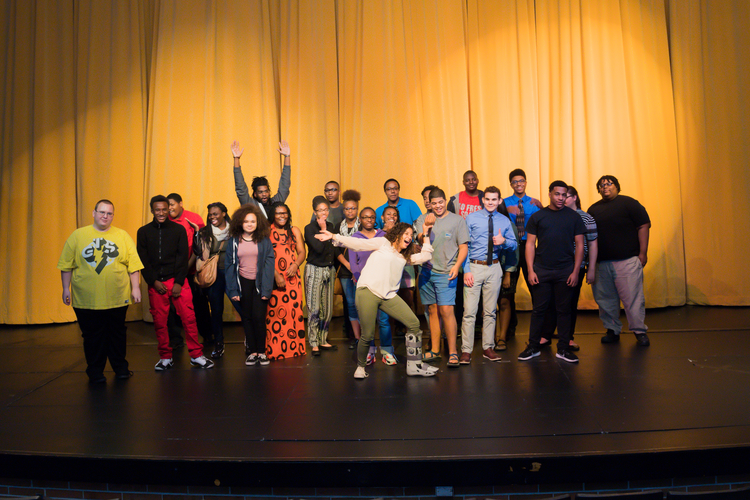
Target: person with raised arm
[
  {"x": 261, "y": 196},
  {"x": 377, "y": 289}
]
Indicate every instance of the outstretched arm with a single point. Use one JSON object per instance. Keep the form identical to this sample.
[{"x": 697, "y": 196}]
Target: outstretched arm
[
  {"x": 282, "y": 193},
  {"x": 240, "y": 186}
]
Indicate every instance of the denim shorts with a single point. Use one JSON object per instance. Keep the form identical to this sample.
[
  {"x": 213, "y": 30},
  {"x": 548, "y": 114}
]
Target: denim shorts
[{"x": 436, "y": 288}]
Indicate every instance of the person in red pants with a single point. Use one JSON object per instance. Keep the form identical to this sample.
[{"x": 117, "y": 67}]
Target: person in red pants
[{"x": 163, "y": 249}]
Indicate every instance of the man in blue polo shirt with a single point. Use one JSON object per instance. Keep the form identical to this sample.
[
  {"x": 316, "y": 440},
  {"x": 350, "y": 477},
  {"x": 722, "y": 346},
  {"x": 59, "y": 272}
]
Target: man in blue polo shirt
[
  {"x": 520, "y": 207},
  {"x": 408, "y": 210}
]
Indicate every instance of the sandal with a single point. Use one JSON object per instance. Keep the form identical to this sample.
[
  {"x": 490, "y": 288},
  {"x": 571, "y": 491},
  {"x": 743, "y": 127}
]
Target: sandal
[
  {"x": 433, "y": 356},
  {"x": 453, "y": 360}
]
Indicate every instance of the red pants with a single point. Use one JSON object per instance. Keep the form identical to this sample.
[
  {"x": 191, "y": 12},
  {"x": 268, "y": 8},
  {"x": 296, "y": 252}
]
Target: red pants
[{"x": 159, "y": 307}]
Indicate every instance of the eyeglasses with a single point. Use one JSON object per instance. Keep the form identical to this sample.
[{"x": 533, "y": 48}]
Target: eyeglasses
[
  {"x": 330, "y": 190},
  {"x": 321, "y": 210},
  {"x": 350, "y": 208},
  {"x": 368, "y": 217},
  {"x": 392, "y": 188},
  {"x": 514, "y": 183},
  {"x": 105, "y": 214},
  {"x": 606, "y": 184}
]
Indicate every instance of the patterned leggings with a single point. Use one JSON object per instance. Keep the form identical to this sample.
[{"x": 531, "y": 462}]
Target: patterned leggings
[{"x": 319, "y": 296}]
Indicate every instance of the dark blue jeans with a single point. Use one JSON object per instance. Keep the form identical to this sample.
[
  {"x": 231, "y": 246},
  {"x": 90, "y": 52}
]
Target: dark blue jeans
[{"x": 215, "y": 294}]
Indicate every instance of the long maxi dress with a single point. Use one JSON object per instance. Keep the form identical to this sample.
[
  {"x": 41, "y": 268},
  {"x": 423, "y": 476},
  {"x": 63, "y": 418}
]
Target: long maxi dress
[{"x": 285, "y": 323}]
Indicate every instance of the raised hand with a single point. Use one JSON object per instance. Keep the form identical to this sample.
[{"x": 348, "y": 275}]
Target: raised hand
[
  {"x": 236, "y": 149},
  {"x": 284, "y": 148},
  {"x": 537, "y": 203},
  {"x": 498, "y": 239},
  {"x": 513, "y": 209}
]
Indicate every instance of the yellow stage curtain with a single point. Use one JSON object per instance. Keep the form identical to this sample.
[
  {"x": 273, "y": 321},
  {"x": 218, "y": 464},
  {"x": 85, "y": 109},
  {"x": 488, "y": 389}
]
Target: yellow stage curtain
[
  {"x": 403, "y": 96},
  {"x": 711, "y": 71},
  {"x": 504, "y": 97},
  {"x": 129, "y": 99},
  {"x": 74, "y": 121},
  {"x": 605, "y": 107},
  {"x": 38, "y": 192}
]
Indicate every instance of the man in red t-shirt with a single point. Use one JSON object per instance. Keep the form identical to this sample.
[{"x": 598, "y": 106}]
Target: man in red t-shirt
[
  {"x": 464, "y": 203},
  {"x": 470, "y": 199},
  {"x": 192, "y": 222}
]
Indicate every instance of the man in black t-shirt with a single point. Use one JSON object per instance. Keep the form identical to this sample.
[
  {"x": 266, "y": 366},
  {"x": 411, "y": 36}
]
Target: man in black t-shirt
[
  {"x": 624, "y": 228},
  {"x": 554, "y": 252}
]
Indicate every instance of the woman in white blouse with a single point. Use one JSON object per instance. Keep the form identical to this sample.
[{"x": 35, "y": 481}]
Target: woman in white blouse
[{"x": 378, "y": 285}]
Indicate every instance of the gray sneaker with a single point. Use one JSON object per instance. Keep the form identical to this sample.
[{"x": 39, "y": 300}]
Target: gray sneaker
[
  {"x": 251, "y": 360},
  {"x": 263, "y": 360}
]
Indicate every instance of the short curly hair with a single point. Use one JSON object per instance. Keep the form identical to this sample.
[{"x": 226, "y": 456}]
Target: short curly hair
[
  {"x": 262, "y": 230},
  {"x": 351, "y": 195}
]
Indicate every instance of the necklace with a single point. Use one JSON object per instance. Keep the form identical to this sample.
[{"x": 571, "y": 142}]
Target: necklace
[{"x": 245, "y": 239}]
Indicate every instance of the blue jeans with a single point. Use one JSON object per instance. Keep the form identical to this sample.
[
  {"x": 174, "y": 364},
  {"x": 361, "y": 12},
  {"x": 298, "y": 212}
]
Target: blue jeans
[
  {"x": 215, "y": 295},
  {"x": 350, "y": 289}
]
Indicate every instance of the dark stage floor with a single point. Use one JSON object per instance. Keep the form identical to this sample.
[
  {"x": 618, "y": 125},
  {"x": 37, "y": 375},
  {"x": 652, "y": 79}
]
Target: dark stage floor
[{"x": 683, "y": 398}]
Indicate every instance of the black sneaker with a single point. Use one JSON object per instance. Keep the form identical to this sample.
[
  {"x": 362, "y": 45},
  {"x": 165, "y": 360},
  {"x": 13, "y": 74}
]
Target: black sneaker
[
  {"x": 642, "y": 339},
  {"x": 528, "y": 353},
  {"x": 202, "y": 362},
  {"x": 567, "y": 356},
  {"x": 218, "y": 350},
  {"x": 610, "y": 337}
]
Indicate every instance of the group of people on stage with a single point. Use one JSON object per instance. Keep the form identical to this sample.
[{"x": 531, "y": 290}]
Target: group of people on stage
[{"x": 464, "y": 249}]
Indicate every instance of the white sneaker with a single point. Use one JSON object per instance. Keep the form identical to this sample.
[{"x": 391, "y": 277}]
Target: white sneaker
[
  {"x": 202, "y": 362},
  {"x": 417, "y": 369},
  {"x": 360, "y": 373},
  {"x": 164, "y": 365},
  {"x": 263, "y": 360}
]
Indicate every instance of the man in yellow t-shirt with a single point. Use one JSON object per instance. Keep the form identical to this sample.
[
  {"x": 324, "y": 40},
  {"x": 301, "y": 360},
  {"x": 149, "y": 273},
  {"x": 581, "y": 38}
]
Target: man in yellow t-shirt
[{"x": 100, "y": 270}]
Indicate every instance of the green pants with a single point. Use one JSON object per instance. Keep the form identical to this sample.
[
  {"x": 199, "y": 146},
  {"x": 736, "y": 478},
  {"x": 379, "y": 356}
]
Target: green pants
[{"x": 367, "y": 307}]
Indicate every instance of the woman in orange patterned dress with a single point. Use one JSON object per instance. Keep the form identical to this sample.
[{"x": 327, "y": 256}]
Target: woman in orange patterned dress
[{"x": 285, "y": 324}]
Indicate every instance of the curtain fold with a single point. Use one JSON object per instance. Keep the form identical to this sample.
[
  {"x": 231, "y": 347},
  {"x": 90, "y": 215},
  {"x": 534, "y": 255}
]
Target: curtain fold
[
  {"x": 711, "y": 71},
  {"x": 504, "y": 97},
  {"x": 124, "y": 100},
  {"x": 605, "y": 107},
  {"x": 38, "y": 192},
  {"x": 403, "y": 96}
]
